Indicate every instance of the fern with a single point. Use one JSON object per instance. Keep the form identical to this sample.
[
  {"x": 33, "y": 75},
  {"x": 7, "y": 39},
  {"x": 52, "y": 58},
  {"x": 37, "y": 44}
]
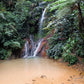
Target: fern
[
  {"x": 62, "y": 6},
  {"x": 2, "y": 16},
  {"x": 63, "y": 12}
]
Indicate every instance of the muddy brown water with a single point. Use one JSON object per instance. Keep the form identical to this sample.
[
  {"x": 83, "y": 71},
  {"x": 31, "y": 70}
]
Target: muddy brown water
[{"x": 37, "y": 71}]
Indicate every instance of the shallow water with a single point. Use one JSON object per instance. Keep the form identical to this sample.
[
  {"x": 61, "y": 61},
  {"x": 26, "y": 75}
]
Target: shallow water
[{"x": 37, "y": 71}]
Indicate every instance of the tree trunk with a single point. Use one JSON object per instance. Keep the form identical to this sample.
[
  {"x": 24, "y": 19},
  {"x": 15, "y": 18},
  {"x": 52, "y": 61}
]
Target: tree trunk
[{"x": 81, "y": 22}]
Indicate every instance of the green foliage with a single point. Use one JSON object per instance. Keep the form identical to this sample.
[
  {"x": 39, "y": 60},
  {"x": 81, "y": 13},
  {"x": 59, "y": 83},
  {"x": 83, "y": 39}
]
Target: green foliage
[
  {"x": 4, "y": 54},
  {"x": 55, "y": 51},
  {"x": 69, "y": 52},
  {"x": 70, "y": 58},
  {"x": 11, "y": 23},
  {"x": 21, "y": 18},
  {"x": 63, "y": 17},
  {"x": 59, "y": 38},
  {"x": 61, "y": 6},
  {"x": 18, "y": 19},
  {"x": 66, "y": 40},
  {"x": 9, "y": 39},
  {"x": 12, "y": 44},
  {"x": 80, "y": 47}
]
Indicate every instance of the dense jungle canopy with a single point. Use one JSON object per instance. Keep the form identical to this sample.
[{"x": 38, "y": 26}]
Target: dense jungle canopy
[{"x": 65, "y": 18}]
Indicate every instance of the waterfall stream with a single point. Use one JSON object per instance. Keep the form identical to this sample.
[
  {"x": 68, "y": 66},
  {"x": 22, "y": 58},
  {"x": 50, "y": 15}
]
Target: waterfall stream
[
  {"x": 37, "y": 48},
  {"x": 42, "y": 19},
  {"x": 30, "y": 48},
  {"x": 26, "y": 49}
]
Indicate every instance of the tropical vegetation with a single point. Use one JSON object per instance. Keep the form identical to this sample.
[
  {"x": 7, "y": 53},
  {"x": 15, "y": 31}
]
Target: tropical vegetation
[
  {"x": 68, "y": 22},
  {"x": 20, "y": 18}
]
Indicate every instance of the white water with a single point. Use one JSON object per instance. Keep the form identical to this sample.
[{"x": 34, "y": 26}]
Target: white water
[
  {"x": 42, "y": 18},
  {"x": 29, "y": 47},
  {"x": 36, "y": 51},
  {"x": 33, "y": 51},
  {"x": 32, "y": 44},
  {"x": 26, "y": 49}
]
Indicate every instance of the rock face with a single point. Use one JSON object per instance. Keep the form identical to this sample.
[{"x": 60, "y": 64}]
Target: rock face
[
  {"x": 41, "y": 50},
  {"x": 44, "y": 46}
]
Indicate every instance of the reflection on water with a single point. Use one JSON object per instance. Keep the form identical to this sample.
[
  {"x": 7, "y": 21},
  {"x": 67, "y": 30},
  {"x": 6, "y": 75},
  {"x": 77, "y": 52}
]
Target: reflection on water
[{"x": 27, "y": 71}]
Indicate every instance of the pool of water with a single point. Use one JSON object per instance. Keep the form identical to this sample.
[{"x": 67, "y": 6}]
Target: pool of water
[{"x": 37, "y": 71}]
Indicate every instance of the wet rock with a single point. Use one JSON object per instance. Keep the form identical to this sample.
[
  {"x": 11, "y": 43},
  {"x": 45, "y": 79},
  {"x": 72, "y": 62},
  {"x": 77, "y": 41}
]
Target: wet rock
[
  {"x": 43, "y": 76},
  {"x": 43, "y": 48},
  {"x": 68, "y": 80},
  {"x": 80, "y": 73},
  {"x": 33, "y": 80},
  {"x": 43, "y": 53},
  {"x": 70, "y": 76}
]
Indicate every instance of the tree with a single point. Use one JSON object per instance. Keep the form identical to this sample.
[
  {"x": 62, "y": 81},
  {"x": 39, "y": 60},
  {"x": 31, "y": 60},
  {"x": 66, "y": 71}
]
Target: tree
[{"x": 68, "y": 6}]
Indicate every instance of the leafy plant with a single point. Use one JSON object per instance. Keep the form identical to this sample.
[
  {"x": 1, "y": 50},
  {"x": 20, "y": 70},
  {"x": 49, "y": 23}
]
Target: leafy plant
[
  {"x": 18, "y": 19},
  {"x": 69, "y": 53},
  {"x": 4, "y": 54}
]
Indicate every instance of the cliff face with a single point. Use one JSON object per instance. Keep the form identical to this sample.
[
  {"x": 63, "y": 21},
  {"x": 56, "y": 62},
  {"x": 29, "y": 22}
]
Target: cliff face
[{"x": 45, "y": 45}]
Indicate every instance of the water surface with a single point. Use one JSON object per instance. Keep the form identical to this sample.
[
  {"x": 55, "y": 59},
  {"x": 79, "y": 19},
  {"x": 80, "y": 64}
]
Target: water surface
[{"x": 37, "y": 71}]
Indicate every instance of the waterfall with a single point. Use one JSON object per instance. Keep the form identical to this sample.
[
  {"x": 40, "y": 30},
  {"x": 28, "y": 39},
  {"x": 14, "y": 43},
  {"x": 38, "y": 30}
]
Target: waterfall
[
  {"x": 32, "y": 44},
  {"x": 37, "y": 48},
  {"x": 30, "y": 47},
  {"x": 26, "y": 49},
  {"x": 33, "y": 50},
  {"x": 42, "y": 20},
  {"x": 40, "y": 32}
]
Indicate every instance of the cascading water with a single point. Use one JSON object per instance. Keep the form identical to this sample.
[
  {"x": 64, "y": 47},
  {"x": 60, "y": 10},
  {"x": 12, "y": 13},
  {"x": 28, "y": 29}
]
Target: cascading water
[
  {"x": 26, "y": 49},
  {"x": 40, "y": 31},
  {"x": 30, "y": 48},
  {"x": 32, "y": 45},
  {"x": 33, "y": 50},
  {"x": 42, "y": 20},
  {"x": 36, "y": 51}
]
